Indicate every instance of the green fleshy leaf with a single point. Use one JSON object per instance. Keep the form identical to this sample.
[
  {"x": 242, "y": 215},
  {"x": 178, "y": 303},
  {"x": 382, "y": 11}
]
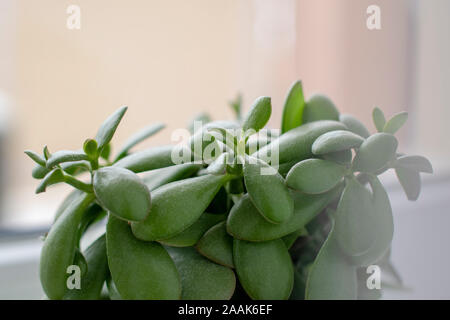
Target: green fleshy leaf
[
  {"x": 159, "y": 177},
  {"x": 65, "y": 156},
  {"x": 39, "y": 172},
  {"x": 331, "y": 277},
  {"x": 319, "y": 107},
  {"x": 354, "y": 125},
  {"x": 268, "y": 191},
  {"x": 295, "y": 145},
  {"x": 192, "y": 235},
  {"x": 36, "y": 158},
  {"x": 106, "y": 152},
  {"x": 97, "y": 273},
  {"x": 122, "y": 193},
  {"x": 258, "y": 115},
  {"x": 90, "y": 148},
  {"x": 410, "y": 181},
  {"x": 202, "y": 279},
  {"x": 416, "y": 163},
  {"x": 264, "y": 269},
  {"x": 53, "y": 177},
  {"x": 176, "y": 206},
  {"x": 217, "y": 245},
  {"x": 335, "y": 141},
  {"x": 343, "y": 157},
  {"x": 355, "y": 219},
  {"x": 375, "y": 153},
  {"x": 154, "y": 158},
  {"x": 293, "y": 108},
  {"x": 383, "y": 224},
  {"x": 314, "y": 176},
  {"x": 395, "y": 123},
  {"x": 59, "y": 248},
  {"x": 108, "y": 128},
  {"x": 378, "y": 119},
  {"x": 158, "y": 280},
  {"x": 246, "y": 223}
]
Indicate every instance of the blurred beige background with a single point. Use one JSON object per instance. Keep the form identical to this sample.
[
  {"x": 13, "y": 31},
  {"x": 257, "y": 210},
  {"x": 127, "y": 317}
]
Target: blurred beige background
[{"x": 168, "y": 60}]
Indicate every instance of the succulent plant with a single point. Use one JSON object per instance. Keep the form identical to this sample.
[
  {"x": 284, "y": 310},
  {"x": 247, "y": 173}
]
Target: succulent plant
[{"x": 249, "y": 213}]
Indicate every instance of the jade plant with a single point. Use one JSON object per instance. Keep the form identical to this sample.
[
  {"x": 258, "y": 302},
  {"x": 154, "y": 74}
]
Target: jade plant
[{"x": 249, "y": 212}]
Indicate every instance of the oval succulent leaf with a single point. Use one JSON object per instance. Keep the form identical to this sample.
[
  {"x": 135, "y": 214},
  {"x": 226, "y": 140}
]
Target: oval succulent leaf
[
  {"x": 375, "y": 152},
  {"x": 315, "y": 176},
  {"x": 410, "y": 181},
  {"x": 295, "y": 145},
  {"x": 127, "y": 256},
  {"x": 109, "y": 126},
  {"x": 176, "y": 206},
  {"x": 122, "y": 193},
  {"x": 154, "y": 158},
  {"x": 378, "y": 119},
  {"x": 268, "y": 191},
  {"x": 416, "y": 163},
  {"x": 264, "y": 269},
  {"x": 192, "y": 235},
  {"x": 354, "y": 125},
  {"x": 331, "y": 277},
  {"x": 343, "y": 157},
  {"x": 217, "y": 245},
  {"x": 258, "y": 115},
  {"x": 160, "y": 177},
  {"x": 65, "y": 156},
  {"x": 202, "y": 279},
  {"x": 354, "y": 219},
  {"x": 383, "y": 225},
  {"x": 395, "y": 123},
  {"x": 138, "y": 138},
  {"x": 246, "y": 223},
  {"x": 319, "y": 107},
  {"x": 334, "y": 141},
  {"x": 58, "y": 251},
  {"x": 293, "y": 108},
  {"x": 97, "y": 272}
]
